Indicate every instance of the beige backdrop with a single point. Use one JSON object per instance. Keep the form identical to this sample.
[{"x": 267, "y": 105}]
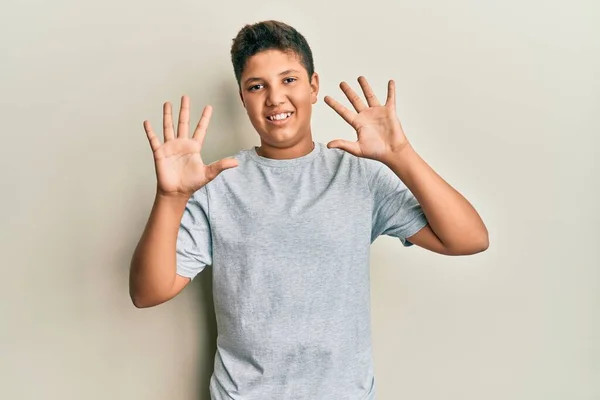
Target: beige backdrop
[{"x": 502, "y": 99}]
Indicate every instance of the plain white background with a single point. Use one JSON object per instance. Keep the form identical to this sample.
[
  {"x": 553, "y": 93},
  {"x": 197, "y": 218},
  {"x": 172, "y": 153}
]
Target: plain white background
[{"x": 501, "y": 98}]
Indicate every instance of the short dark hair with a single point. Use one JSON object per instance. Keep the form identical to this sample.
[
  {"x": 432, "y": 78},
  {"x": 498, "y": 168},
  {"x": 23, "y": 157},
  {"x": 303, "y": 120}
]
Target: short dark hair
[{"x": 268, "y": 35}]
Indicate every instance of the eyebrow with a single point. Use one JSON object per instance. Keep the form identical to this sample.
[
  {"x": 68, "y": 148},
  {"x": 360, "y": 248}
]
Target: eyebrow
[{"x": 287, "y": 71}]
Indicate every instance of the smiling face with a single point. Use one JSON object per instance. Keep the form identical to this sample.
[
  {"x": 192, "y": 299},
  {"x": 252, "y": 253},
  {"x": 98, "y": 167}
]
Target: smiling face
[{"x": 278, "y": 96}]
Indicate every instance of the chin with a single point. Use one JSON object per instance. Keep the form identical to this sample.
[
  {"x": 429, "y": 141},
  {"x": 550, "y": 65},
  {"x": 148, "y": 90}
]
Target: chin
[
  {"x": 278, "y": 138},
  {"x": 281, "y": 135}
]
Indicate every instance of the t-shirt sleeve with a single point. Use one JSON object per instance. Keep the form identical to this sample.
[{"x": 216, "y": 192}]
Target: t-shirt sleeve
[
  {"x": 194, "y": 241},
  {"x": 396, "y": 212}
]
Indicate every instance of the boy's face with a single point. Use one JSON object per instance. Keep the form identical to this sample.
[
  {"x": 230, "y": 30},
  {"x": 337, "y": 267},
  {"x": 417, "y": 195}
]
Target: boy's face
[{"x": 278, "y": 97}]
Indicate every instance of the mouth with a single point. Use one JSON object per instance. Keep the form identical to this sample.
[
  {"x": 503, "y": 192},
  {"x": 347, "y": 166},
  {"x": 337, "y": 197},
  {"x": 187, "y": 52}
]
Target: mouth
[{"x": 280, "y": 118}]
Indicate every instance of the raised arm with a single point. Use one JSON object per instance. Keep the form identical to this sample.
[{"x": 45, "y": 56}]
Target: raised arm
[
  {"x": 180, "y": 173},
  {"x": 454, "y": 226}
]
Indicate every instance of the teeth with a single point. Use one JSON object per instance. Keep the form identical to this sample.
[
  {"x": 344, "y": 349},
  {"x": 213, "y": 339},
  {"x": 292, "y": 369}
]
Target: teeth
[{"x": 279, "y": 117}]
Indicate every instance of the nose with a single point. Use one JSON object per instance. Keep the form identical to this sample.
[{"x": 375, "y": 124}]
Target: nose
[{"x": 275, "y": 97}]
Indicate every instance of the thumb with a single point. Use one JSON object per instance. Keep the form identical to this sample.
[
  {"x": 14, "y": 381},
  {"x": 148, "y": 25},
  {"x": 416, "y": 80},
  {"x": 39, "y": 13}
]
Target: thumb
[
  {"x": 215, "y": 168},
  {"x": 351, "y": 147}
]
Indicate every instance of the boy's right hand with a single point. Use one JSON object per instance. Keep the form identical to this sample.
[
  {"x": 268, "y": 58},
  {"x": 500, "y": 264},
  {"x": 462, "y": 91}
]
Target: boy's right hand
[{"x": 179, "y": 167}]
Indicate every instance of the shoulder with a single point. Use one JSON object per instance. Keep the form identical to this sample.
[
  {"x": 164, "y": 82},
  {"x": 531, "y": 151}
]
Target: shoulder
[
  {"x": 340, "y": 157},
  {"x": 368, "y": 165},
  {"x": 370, "y": 170}
]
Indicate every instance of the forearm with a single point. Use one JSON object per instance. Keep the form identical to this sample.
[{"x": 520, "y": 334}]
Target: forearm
[
  {"x": 453, "y": 219},
  {"x": 153, "y": 265}
]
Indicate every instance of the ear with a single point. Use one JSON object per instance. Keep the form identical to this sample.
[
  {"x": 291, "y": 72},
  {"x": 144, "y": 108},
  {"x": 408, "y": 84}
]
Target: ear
[
  {"x": 242, "y": 98},
  {"x": 314, "y": 88}
]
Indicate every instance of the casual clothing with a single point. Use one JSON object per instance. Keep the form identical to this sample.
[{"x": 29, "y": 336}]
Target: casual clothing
[{"x": 289, "y": 241}]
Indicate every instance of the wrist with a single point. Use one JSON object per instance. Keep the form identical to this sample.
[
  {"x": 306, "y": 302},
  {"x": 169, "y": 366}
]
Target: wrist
[
  {"x": 177, "y": 199},
  {"x": 400, "y": 153}
]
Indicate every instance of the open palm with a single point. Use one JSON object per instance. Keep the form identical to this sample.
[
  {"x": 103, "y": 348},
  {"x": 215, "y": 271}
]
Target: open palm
[
  {"x": 180, "y": 170},
  {"x": 378, "y": 129}
]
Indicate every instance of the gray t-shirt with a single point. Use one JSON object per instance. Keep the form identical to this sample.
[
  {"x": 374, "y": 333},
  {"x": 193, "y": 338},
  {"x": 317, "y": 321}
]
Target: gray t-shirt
[{"x": 289, "y": 241}]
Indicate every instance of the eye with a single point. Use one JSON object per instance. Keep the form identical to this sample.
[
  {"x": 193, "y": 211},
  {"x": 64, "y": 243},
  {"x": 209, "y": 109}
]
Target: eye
[
  {"x": 254, "y": 88},
  {"x": 290, "y": 80}
]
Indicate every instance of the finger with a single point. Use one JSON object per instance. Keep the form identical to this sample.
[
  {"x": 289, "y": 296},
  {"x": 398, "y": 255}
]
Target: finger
[
  {"x": 369, "y": 95},
  {"x": 350, "y": 147},
  {"x": 391, "y": 95},
  {"x": 214, "y": 169},
  {"x": 200, "y": 131},
  {"x": 168, "y": 122},
  {"x": 183, "y": 126},
  {"x": 346, "y": 114},
  {"x": 355, "y": 99},
  {"x": 154, "y": 142}
]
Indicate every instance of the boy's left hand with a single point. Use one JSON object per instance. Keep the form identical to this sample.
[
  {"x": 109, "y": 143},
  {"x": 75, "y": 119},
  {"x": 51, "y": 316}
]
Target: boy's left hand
[{"x": 380, "y": 134}]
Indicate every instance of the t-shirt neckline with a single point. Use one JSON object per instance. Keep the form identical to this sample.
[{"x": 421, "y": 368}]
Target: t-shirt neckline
[{"x": 290, "y": 162}]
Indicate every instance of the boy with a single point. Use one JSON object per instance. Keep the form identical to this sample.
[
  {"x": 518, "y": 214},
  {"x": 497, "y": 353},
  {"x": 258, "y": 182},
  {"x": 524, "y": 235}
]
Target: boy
[{"x": 287, "y": 226}]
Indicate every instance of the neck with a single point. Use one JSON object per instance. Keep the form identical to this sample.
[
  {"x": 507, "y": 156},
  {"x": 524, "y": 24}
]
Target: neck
[{"x": 284, "y": 152}]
